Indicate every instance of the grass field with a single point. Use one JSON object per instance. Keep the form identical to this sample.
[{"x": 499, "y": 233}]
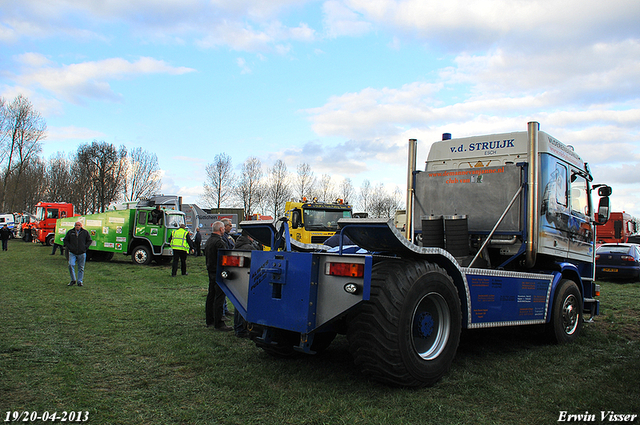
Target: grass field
[{"x": 131, "y": 347}]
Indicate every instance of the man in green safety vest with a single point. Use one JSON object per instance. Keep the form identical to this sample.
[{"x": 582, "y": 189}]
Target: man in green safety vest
[{"x": 180, "y": 244}]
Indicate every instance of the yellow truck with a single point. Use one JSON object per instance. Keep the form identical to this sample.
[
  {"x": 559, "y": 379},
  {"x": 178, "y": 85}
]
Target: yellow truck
[{"x": 315, "y": 222}]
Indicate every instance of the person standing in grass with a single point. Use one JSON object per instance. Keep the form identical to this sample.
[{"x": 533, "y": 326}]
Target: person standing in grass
[
  {"x": 77, "y": 241},
  {"x": 216, "y": 296},
  {"x": 197, "y": 242},
  {"x": 5, "y": 234},
  {"x": 180, "y": 244}
]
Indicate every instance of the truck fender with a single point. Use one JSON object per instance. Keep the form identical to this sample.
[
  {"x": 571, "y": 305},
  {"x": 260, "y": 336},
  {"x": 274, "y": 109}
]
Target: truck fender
[
  {"x": 567, "y": 271},
  {"x": 380, "y": 235},
  {"x": 445, "y": 260}
]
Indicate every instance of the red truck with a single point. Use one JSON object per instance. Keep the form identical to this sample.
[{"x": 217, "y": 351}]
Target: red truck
[
  {"x": 46, "y": 215},
  {"x": 617, "y": 230}
]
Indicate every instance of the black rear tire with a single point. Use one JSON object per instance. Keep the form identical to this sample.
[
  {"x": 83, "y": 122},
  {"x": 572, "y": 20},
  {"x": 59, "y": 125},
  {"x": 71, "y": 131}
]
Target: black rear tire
[{"x": 408, "y": 333}]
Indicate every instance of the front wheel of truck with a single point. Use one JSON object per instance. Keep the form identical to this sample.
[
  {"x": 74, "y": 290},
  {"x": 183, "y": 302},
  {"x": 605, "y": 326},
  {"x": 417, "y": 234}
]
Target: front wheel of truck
[
  {"x": 566, "y": 313},
  {"x": 141, "y": 255},
  {"x": 407, "y": 334}
]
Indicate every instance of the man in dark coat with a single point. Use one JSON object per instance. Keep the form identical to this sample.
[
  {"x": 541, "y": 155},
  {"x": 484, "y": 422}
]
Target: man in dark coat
[
  {"x": 216, "y": 296},
  {"x": 77, "y": 241},
  {"x": 197, "y": 242},
  {"x": 5, "y": 235}
]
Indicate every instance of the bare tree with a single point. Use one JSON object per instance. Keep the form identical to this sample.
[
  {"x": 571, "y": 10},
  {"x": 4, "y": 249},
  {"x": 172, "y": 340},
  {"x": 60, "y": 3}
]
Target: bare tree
[
  {"x": 31, "y": 186},
  {"x": 142, "y": 176},
  {"x": 250, "y": 190},
  {"x": 218, "y": 187},
  {"x": 305, "y": 182},
  {"x": 106, "y": 168},
  {"x": 326, "y": 189},
  {"x": 383, "y": 205},
  {"x": 21, "y": 135},
  {"x": 346, "y": 190},
  {"x": 365, "y": 196},
  {"x": 398, "y": 199},
  {"x": 279, "y": 188},
  {"x": 4, "y": 118},
  {"x": 82, "y": 194},
  {"x": 58, "y": 178}
]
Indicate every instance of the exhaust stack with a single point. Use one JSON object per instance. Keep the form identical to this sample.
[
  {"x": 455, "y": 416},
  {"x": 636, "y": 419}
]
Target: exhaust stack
[
  {"x": 413, "y": 148},
  {"x": 533, "y": 175}
]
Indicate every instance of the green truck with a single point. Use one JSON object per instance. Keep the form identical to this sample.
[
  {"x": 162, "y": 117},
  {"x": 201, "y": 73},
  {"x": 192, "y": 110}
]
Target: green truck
[{"x": 139, "y": 232}]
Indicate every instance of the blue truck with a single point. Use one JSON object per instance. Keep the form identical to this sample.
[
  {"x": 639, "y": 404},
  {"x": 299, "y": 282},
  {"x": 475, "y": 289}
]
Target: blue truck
[{"x": 500, "y": 232}]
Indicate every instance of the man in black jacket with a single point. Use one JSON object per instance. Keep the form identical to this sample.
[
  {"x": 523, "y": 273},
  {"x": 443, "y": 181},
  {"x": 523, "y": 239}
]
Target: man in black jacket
[
  {"x": 216, "y": 296},
  {"x": 5, "y": 235},
  {"x": 77, "y": 241}
]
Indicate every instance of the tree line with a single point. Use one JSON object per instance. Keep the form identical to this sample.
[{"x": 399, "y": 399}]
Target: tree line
[
  {"x": 99, "y": 173},
  {"x": 265, "y": 190},
  {"x": 91, "y": 178}
]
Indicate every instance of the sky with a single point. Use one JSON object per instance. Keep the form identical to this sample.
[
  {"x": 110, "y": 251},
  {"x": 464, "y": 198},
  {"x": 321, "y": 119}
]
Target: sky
[{"x": 339, "y": 84}]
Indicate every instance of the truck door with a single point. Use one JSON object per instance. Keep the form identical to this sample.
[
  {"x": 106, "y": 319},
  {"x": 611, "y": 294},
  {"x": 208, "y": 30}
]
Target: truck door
[
  {"x": 145, "y": 228},
  {"x": 581, "y": 231},
  {"x": 554, "y": 207}
]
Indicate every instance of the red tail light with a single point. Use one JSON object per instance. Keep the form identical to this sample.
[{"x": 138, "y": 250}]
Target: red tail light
[
  {"x": 232, "y": 261},
  {"x": 345, "y": 269}
]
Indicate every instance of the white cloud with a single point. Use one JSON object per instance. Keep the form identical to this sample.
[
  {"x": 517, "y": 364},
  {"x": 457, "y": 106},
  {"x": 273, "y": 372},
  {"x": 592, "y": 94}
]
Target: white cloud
[
  {"x": 460, "y": 24},
  {"x": 73, "y": 133},
  {"x": 240, "y": 25},
  {"x": 80, "y": 81}
]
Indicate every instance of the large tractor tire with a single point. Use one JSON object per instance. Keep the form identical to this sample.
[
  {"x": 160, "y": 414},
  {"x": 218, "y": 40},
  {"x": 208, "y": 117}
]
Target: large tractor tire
[
  {"x": 141, "y": 255},
  {"x": 566, "y": 313},
  {"x": 407, "y": 334}
]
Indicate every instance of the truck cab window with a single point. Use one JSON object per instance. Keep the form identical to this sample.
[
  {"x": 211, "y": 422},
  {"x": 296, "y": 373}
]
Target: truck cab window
[
  {"x": 579, "y": 195},
  {"x": 174, "y": 220},
  {"x": 560, "y": 177}
]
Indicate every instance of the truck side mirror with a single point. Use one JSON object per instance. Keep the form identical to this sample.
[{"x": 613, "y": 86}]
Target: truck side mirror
[
  {"x": 604, "y": 210},
  {"x": 604, "y": 191}
]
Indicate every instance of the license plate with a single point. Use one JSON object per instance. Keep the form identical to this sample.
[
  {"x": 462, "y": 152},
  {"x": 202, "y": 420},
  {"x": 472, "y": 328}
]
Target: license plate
[{"x": 610, "y": 270}]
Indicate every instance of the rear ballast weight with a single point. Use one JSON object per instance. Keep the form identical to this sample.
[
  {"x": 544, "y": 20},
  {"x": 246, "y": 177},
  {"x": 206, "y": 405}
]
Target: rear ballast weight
[{"x": 402, "y": 305}]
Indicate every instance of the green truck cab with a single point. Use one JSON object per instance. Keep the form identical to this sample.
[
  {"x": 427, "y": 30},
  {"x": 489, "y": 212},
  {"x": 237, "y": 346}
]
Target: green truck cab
[{"x": 140, "y": 232}]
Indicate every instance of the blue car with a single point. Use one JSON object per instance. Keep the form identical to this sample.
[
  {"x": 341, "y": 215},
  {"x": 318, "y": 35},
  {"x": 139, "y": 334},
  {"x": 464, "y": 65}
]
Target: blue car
[{"x": 618, "y": 261}]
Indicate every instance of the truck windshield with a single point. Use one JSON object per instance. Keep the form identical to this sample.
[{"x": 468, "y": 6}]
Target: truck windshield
[
  {"x": 174, "y": 220},
  {"x": 323, "y": 220},
  {"x": 40, "y": 213}
]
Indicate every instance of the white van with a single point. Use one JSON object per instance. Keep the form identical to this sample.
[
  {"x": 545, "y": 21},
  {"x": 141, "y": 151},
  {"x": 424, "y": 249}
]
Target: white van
[{"x": 8, "y": 220}]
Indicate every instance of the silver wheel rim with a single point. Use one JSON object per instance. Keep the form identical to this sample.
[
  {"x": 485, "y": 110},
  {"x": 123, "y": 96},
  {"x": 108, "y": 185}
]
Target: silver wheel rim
[
  {"x": 141, "y": 256},
  {"x": 430, "y": 326},
  {"x": 570, "y": 314}
]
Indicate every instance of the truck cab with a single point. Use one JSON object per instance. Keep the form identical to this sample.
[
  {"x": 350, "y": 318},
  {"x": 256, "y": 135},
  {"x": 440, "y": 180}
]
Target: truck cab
[
  {"x": 617, "y": 230},
  {"x": 152, "y": 233},
  {"x": 315, "y": 222},
  {"x": 46, "y": 215}
]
